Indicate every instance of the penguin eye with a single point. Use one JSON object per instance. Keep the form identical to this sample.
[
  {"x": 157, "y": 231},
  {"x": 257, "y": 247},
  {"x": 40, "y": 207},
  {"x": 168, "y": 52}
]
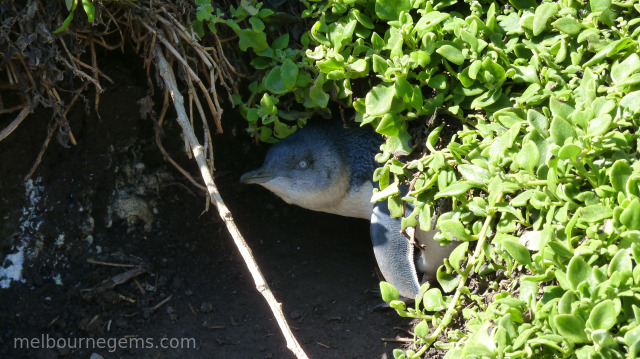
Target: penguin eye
[{"x": 304, "y": 164}]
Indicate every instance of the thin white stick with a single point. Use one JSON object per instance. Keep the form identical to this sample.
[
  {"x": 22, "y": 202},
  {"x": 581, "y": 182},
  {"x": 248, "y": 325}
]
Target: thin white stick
[{"x": 169, "y": 79}]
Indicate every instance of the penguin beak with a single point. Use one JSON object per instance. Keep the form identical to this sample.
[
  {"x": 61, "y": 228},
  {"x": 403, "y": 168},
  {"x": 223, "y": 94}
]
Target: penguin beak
[{"x": 258, "y": 176}]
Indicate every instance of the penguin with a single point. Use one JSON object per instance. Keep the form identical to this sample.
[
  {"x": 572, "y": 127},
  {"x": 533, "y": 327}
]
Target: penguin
[{"x": 328, "y": 168}]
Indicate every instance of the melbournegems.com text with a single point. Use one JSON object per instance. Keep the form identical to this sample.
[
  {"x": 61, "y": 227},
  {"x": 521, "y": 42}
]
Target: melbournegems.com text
[{"x": 46, "y": 341}]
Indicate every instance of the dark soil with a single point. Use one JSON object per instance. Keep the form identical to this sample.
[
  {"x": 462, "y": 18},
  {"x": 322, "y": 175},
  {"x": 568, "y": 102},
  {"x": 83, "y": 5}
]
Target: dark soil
[{"x": 113, "y": 198}]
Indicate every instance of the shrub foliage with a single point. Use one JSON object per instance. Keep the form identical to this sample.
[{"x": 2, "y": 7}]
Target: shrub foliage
[{"x": 544, "y": 174}]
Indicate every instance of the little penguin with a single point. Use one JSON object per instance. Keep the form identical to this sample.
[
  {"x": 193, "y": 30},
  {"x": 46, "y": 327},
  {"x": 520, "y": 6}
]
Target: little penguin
[{"x": 326, "y": 167}]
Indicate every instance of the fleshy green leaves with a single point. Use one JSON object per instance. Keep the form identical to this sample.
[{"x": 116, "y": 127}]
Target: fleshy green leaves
[
  {"x": 289, "y": 74},
  {"x": 519, "y": 252},
  {"x": 525, "y": 151},
  {"x": 389, "y": 293},
  {"x": 630, "y": 216},
  {"x": 390, "y": 9},
  {"x": 250, "y": 38},
  {"x": 378, "y": 100},
  {"x": 433, "y": 300},
  {"x": 451, "y": 53},
  {"x": 578, "y": 272},
  {"x": 571, "y": 327},
  {"x": 561, "y": 130},
  {"x": 543, "y": 13},
  {"x": 603, "y": 315},
  {"x": 599, "y": 5}
]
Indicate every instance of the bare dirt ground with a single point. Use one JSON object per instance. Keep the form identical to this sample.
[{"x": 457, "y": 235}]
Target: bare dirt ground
[{"x": 114, "y": 199}]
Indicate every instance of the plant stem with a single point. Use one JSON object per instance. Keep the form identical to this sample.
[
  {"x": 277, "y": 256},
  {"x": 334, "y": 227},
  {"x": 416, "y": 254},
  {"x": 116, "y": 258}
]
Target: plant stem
[{"x": 451, "y": 310}]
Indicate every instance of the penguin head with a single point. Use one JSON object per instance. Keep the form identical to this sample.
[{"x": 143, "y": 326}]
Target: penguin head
[{"x": 307, "y": 169}]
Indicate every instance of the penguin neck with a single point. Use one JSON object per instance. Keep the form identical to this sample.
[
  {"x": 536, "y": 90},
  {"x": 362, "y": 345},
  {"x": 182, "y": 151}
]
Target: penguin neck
[{"x": 355, "y": 203}]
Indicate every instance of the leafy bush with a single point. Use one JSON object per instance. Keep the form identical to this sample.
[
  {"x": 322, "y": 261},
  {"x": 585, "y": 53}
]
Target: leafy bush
[{"x": 544, "y": 175}]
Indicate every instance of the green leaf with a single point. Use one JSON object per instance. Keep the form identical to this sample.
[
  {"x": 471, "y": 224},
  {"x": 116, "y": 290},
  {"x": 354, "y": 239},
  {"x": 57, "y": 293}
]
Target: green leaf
[
  {"x": 318, "y": 96},
  {"x": 578, "y": 272},
  {"x": 420, "y": 58},
  {"x": 621, "y": 71},
  {"x": 398, "y": 145},
  {"x": 499, "y": 146},
  {"x": 252, "y": 39},
  {"x": 439, "y": 82},
  {"x": 274, "y": 81},
  {"x": 561, "y": 130},
  {"x": 631, "y": 101},
  {"x": 475, "y": 173},
  {"x": 451, "y": 53},
  {"x": 603, "y": 315},
  {"x": 529, "y": 156},
  {"x": 494, "y": 73},
  {"x": 363, "y": 19},
  {"x": 65, "y": 23},
  {"x": 458, "y": 255},
  {"x": 391, "y": 190},
  {"x": 252, "y": 115},
  {"x": 256, "y": 24},
  {"x": 289, "y": 74},
  {"x": 389, "y": 125},
  {"x": 448, "y": 281},
  {"x": 565, "y": 303},
  {"x": 268, "y": 105},
  {"x": 281, "y": 42},
  {"x": 571, "y": 327},
  {"x": 599, "y": 125},
  {"x": 432, "y": 300},
  {"x": 519, "y": 252},
  {"x": 359, "y": 66},
  {"x": 341, "y": 34},
  {"x": 620, "y": 262},
  {"x": 568, "y": 26},
  {"x": 538, "y": 121},
  {"x": 522, "y": 198},
  {"x": 404, "y": 90},
  {"x": 422, "y": 329},
  {"x": 455, "y": 189},
  {"x": 595, "y": 213},
  {"x": 609, "y": 50},
  {"x": 569, "y": 151},
  {"x": 378, "y": 100},
  {"x": 330, "y": 64},
  {"x": 377, "y": 42},
  {"x": 388, "y": 292},
  {"x": 620, "y": 173},
  {"x": 599, "y": 5},
  {"x": 523, "y": 4},
  {"x": 89, "y": 9},
  {"x": 265, "y": 133},
  {"x": 455, "y": 229},
  {"x": 390, "y": 9},
  {"x": 542, "y": 15},
  {"x": 282, "y": 130},
  {"x": 248, "y": 7},
  {"x": 560, "y": 109},
  {"x": 380, "y": 65},
  {"x": 630, "y": 217}
]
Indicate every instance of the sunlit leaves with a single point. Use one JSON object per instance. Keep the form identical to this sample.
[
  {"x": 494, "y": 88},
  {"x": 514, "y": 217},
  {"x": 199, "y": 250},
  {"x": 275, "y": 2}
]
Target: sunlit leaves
[
  {"x": 525, "y": 118},
  {"x": 571, "y": 327},
  {"x": 390, "y": 9},
  {"x": 378, "y": 100}
]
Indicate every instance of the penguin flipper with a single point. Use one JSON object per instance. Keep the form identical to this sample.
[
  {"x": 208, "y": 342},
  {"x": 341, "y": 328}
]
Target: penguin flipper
[{"x": 393, "y": 251}]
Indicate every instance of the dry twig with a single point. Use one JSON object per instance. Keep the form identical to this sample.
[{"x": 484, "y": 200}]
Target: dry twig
[
  {"x": 15, "y": 123},
  {"x": 169, "y": 80}
]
